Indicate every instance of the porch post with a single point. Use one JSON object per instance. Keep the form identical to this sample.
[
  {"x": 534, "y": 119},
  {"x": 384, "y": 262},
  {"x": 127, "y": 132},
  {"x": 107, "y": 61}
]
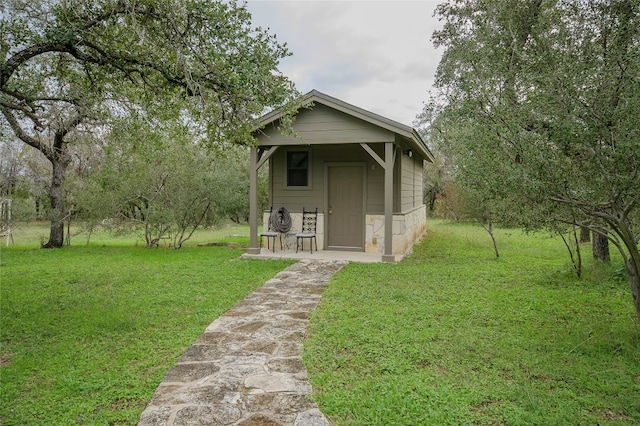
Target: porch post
[
  {"x": 388, "y": 203},
  {"x": 253, "y": 202}
]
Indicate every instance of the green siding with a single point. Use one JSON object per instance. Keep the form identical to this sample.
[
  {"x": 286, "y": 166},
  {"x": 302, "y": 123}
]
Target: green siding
[
  {"x": 324, "y": 125},
  {"x": 294, "y": 199},
  {"x": 333, "y": 137},
  {"x": 411, "y": 181}
]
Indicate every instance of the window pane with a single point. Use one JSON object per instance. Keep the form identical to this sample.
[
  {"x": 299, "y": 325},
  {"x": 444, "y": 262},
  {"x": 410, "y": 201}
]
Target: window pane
[
  {"x": 297, "y": 178},
  {"x": 298, "y": 168}
]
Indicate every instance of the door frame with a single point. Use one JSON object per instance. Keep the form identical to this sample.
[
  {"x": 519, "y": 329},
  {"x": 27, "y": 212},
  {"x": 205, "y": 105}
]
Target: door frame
[{"x": 327, "y": 167}]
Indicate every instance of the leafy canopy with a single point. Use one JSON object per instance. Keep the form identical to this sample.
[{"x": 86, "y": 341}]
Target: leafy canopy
[
  {"x": 82, "y": 60},
  {"x": 538, "y": 104},
  {"x": 77, "y": 66}
]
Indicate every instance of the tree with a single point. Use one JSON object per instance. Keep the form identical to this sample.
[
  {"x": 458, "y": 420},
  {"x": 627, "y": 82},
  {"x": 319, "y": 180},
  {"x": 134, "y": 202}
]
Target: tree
[
  {"x": 600, "y": 248},
  {"x": 160, "y": 182},
  {"x": 540, "y": 106},
  {"x": 9, "y": 166},
  {"x": 438, "y": 176},
  {"x": 20, "y": 169},
  {"x": 71, "y": 67},
  {"x": 232, "y": 194}
]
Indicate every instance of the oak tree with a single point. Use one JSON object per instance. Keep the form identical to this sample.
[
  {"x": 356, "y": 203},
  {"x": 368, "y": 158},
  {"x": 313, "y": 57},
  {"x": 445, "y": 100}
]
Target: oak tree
[
  {"x": 72, "y": 66},
  {"x": 538, "y": 103}
]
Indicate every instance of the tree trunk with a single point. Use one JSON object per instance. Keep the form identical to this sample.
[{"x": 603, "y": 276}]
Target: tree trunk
[
  {"x": 432, "y": 200},
  {"x": 634, "y": 280},
  {"x": 601, "y": 248},
  {"x": 585, "y": 235},
  {"x": 56, "y": 196},
  {"x": 632, "y": 264},
  {"x": 489, "y": 229},
  {"x": 493, "y": 238},
  {"x": 622, "y": 227}
]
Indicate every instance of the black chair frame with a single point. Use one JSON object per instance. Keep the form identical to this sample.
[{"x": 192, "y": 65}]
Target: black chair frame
[
  {"x": 308, "y": 229},
  {"x": 271, "y": 235}
]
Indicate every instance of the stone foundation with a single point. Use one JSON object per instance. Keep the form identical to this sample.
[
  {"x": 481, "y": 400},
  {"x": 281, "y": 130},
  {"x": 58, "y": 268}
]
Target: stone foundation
[
  {"x": 408, "y": 228},
  {"x": 296, "y": 224}
]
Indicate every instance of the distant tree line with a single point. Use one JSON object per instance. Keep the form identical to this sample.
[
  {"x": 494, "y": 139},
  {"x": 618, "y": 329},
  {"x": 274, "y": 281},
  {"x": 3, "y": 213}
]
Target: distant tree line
[{"x": 159, "y": 182}]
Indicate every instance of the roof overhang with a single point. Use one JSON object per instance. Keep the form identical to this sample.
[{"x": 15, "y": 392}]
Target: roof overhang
[{"x": 409, "y": 134}]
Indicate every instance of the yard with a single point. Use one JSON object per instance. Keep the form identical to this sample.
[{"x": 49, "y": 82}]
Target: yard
[
  {"x": 448, "y": 336},
  {"x": 88, "y": 332},
  {"x": 453, "y": 336}
]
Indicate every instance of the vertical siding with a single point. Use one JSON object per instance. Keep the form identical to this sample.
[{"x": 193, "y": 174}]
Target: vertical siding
[
  {"x": 406, "y": 184},
  {"x": 291, "y": 198}
]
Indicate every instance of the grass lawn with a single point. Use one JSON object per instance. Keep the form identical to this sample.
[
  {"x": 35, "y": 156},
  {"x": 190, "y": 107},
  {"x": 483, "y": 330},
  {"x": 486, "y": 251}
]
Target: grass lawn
[
  {"x": 448, "y": 336},
  {"x": 34, "y": 234},
  {"x": 453, "y": 336},
  {"x": 89, "y": 331}
]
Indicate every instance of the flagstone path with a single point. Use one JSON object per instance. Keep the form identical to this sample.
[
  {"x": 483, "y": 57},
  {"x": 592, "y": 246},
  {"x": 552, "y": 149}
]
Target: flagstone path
[{"x": 246, "y": 368}]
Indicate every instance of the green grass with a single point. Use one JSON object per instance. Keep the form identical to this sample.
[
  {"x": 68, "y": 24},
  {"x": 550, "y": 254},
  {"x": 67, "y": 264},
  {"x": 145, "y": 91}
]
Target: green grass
[
  {"x": 448, "y": 336},
  {"x": 453, "y": 336},
  {"x": 34, "y": 234},
  {"x": 88, "y": 332}
]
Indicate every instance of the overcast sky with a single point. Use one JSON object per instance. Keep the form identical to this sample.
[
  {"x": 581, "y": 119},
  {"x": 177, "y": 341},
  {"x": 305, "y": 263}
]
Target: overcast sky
[{"x": 377, "y": 55}]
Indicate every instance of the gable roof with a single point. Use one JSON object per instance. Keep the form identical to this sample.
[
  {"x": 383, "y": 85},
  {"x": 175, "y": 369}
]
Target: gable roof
[{"x": 406, "y": 132}]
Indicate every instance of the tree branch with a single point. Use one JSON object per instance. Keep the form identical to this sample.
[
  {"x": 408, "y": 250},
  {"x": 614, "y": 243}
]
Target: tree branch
[
  {"x": 17, "y": 60},
  {"x": 136, "y": 66},
  {"x": 613, "y": 237},
  {"x": 104, "y": 58},
  {"x": 23, "y": 136},
  {"x": 29, "y": 100},
  {"x": 26, "y": 111},
  {"x": 630, "y": 206}
]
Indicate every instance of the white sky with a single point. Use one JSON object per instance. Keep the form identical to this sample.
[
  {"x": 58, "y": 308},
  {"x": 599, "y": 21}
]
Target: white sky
[{"x": 377, "y": 55}]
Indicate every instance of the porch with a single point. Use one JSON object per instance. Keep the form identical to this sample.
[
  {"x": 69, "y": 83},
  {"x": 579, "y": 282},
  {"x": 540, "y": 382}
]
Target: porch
[{"x": 290, "y": 253}]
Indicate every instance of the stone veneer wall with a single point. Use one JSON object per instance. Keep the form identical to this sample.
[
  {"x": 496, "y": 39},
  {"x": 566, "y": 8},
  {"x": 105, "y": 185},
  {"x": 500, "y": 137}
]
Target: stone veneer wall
[
  {"x": 296, "y": 225},
  {"x": 408, "y": 228}
]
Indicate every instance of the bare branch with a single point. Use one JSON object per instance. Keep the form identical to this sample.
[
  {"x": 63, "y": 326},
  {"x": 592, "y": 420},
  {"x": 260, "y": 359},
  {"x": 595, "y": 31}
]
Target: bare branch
[
  {"x": 592, "y": 227},
  {"x": 29, "y": 100}
]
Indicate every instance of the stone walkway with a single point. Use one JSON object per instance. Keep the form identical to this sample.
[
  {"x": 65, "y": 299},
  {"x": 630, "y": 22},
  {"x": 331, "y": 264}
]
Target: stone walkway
[{"x": 246, "y": 368}]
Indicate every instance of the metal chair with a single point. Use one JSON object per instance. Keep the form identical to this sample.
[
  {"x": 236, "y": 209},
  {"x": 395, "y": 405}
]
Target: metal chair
[
  {"x": 279, "y": 223},
  {"x": 308, "y": 231},
  {"x": 270, "y": 233}
]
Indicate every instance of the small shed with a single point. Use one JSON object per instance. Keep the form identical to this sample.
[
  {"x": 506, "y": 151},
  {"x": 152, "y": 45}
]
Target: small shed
[{"x": 362, "y": 171}]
